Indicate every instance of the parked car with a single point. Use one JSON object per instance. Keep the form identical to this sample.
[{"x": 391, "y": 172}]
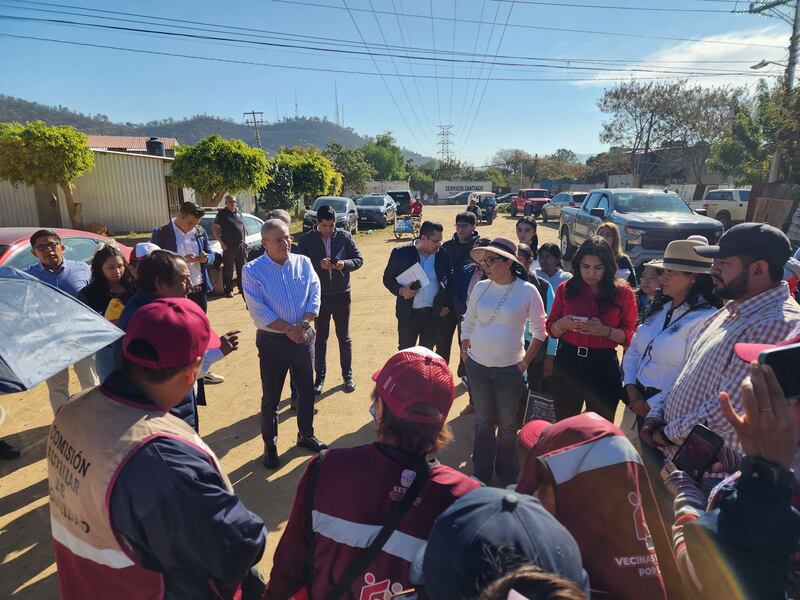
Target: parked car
[
  {"x": 529, "y": 201},
  {"x": 648, "y": 220},
  {"x": 15, "y": 245},
  {"x": 402, "y": 201},
  {"x": 727, "y": 206},
  {"x": 552, "y": 209},
  {"x": 462, "y": 198},
  {"x": 376, "y": 209},
  {"x": 252, "y": 225},
  {"x": 487, "y": 202},
  {"x": 506, "y": 198},
  {"x": 346, "y": 213}
]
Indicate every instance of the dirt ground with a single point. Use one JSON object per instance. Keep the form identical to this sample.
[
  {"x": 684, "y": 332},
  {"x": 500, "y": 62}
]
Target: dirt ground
[{"x": 230, "y": 423}]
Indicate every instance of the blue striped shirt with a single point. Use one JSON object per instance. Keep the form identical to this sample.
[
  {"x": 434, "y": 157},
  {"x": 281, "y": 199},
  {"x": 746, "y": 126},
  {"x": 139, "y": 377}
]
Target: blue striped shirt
[{"x": 285, "y": 292}]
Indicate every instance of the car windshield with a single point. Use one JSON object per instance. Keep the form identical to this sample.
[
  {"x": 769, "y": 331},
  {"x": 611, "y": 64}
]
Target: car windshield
[
  {"x": 645, "y": 203},
  {"x": 486, "y": 200},
  {"x": 339, "y": 206},
  {"x": 371, "y": 201},
  {"x": 400, "y": 196},
  {"x": 537, "y": 194},
  {"x": 207, "y": 223},
  {"x": 578, "y": 198}
]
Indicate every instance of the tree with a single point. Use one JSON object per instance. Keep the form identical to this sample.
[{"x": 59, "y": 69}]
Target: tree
[
  {"x": 312, "y": 173},
  {"x": 600, "y": 166},
  {"x": 279, "y": 192},
  {"x": 496, "y": 177},
  {"x": 356, "y": 172},
  {"x": 215, "y": 166},
  {"x": 37, "y": 153},
  {"x": 386, "y": 158},
  {"x": 565, "y": 156}
]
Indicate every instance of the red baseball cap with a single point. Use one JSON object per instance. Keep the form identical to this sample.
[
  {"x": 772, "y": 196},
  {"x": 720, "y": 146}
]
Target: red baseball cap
[
  {"x": 750, "y": 352},
  {"x": 168, "y": 333},
  {"x": 531, "y": 432},
  {"x": 416, "y": 376}
]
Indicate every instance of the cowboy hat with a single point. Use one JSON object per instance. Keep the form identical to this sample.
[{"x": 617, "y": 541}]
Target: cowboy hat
[
  {"x": 500, "y": 246},
  {"x": 680, "y": 256}
]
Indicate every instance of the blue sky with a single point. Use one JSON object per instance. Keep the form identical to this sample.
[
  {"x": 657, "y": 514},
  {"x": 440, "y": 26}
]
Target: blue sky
[{"x": 515, "y": 111}]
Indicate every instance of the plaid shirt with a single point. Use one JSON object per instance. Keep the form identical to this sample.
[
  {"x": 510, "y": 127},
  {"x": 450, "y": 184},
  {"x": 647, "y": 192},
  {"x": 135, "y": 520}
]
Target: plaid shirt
[{"x": 713, "y": 367}]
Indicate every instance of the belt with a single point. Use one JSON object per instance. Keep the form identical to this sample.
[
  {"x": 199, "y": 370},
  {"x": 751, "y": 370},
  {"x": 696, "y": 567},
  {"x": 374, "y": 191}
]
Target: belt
[
  {"x": 271, "y": 333},
  {"x": 583, "y": 351},
  {"x": 423, "y": 309},
  {"x": 647, "y": 392}
]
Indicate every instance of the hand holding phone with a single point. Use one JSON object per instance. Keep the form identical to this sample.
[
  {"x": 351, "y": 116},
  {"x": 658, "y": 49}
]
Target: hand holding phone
[
  {"x": 785, "y": 363},
  {"x": 698, "y": 452}
]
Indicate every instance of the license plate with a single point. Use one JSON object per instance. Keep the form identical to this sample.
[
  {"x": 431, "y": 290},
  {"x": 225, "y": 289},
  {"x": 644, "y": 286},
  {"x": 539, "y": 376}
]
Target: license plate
[{"x": 362, "y": 218}]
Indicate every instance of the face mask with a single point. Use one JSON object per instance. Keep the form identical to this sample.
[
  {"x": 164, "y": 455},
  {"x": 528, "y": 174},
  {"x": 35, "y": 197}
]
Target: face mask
[{"x": 373, "y": 412}]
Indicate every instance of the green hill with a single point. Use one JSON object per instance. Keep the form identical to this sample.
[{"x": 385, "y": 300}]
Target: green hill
[{"x": 288, "y": 132}]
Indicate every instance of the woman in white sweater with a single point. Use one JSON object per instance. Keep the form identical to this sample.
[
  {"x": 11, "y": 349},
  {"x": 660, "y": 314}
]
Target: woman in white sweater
[{"x": 492, "y": 344}]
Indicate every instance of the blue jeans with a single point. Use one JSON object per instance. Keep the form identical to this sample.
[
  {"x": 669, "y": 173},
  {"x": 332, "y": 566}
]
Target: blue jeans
[{"x": 495, "y": 395}]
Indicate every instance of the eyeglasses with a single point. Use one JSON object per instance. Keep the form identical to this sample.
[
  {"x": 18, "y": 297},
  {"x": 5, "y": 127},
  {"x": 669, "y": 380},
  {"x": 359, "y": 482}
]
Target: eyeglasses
[
  {"x": 488, "y": 262},
  {"x": 47, "y": 246}
]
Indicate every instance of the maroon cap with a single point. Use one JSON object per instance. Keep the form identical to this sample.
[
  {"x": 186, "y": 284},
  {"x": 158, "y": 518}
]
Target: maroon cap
[
  {"x": 531, "y": 432},
  {"x": 750, "y": 352},
  {"x": 168, "y": 333},
  {"x": 416, "y": 376}
]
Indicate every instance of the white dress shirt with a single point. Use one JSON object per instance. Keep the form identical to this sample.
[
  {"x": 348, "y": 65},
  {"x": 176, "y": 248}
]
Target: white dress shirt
[
  {"x": 187, "y": 243},
  {"x": 659, "y": 366}
]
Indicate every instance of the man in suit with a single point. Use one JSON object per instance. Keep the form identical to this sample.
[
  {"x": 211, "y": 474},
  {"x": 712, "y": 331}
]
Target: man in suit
[
  {"x": 184, "y": 236},
  {"x": 334, "y": 255},
  {"x": 419, "y": 310}
]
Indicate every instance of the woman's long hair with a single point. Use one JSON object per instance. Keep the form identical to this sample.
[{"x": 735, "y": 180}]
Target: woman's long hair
[
  {"x": 98, "y": 280},
  {"x": 616, "y": 240},
  {"x": 700, "y": 294},
  {"x": 596, "y": 246}
]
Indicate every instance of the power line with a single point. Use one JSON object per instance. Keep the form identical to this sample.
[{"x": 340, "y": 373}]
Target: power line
[
  {"x": 383, "y": 79},
  {"x": 614, "y": 7},
  {"x": 270, "y": 34},
  {"x": 547, "y": 28},
  {"x": 343, "y": 71}
]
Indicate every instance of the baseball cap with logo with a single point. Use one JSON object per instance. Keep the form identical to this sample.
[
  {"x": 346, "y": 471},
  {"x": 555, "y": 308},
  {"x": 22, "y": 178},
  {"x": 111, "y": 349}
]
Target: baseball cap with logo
[
  {"x": 168, "y": 333},
  {"x": 757, "y": 240},
  {"x": 487, "y": 533},
  {"x": 416, "y": 376}
]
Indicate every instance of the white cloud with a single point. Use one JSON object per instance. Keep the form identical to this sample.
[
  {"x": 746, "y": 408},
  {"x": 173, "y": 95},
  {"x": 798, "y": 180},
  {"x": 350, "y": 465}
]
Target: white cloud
[{"x": 700, "y": 56}]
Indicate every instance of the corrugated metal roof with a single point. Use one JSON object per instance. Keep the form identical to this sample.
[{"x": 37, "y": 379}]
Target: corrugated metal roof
[{"x": 127, "y": 142}]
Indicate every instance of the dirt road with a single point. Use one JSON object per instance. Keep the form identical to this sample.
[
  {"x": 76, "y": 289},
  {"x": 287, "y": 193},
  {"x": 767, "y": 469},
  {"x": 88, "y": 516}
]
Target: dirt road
[{"x": 230, "y": 423}]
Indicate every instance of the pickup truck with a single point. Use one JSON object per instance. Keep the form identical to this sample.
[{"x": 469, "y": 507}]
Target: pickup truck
[
  {"x": 727, "y": 206},
  {"x": 529, "y": 202},
  {"x": 648, "y": 220}
]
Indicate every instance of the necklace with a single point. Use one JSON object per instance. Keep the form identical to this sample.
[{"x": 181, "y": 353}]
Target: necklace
[{"x": 497, "y": 308}]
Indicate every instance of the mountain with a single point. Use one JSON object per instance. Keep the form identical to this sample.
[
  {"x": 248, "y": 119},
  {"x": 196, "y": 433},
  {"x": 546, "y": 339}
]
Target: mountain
[{"x": 288, "y": 132}]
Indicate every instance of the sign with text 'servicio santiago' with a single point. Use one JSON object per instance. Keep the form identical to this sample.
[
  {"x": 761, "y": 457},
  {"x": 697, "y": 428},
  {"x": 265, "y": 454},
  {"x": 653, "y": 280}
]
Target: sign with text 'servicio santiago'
[{"x": 445, "y": 189}]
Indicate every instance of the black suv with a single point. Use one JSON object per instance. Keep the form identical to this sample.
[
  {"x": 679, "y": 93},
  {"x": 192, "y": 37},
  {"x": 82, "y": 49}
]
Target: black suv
[{"x": 402, "y": 198}]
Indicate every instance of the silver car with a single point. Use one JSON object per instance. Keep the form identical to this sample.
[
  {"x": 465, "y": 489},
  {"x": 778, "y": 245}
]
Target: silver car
[
  {"x": 552, "y": 210},
  {"x": 252, "y": 225}
]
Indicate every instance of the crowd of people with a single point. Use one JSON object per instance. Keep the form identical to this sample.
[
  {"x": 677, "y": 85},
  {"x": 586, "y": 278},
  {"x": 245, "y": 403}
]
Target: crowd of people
[{"x": 564, "y": 507}]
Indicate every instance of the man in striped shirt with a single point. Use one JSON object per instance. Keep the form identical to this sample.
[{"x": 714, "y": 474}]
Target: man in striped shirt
[
  {"x": 283, "y": 298},
  {"x": 748, "y": 271}
]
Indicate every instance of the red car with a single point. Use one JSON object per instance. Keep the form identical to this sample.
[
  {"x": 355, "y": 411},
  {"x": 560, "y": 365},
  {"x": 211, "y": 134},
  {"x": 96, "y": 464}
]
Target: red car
[
  {"x": 529, "y": 202},
  {"x": 15, "y": 245}
]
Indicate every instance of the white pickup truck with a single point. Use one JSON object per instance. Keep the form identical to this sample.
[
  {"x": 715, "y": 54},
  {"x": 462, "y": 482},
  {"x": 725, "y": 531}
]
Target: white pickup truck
[{"x": 728, "y": 206}]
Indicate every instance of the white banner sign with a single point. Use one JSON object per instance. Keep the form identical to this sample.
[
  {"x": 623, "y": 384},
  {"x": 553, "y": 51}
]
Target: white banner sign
[{"x": 445, "y": 189}]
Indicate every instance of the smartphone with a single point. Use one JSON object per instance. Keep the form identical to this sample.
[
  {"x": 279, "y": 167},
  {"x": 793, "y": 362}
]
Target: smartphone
[
  {"x": 785, "y": 361},
  {"x": 698, "y": 452}
]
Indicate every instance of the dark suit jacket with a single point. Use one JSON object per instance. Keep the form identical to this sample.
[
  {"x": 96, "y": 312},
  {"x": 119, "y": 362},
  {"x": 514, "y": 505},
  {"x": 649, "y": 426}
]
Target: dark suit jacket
[
  {"x": 401, "y": 259},
  {"x": 343, "y": 247},
  {"x": 164, "y": 238}
]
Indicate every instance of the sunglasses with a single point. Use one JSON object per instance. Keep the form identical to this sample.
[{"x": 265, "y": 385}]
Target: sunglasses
[
  {"x": 488, "y": 262},
  {"x": 47, "y": 246}
]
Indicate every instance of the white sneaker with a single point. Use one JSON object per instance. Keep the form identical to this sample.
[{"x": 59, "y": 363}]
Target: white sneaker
[{"x": 212, "y": 378}]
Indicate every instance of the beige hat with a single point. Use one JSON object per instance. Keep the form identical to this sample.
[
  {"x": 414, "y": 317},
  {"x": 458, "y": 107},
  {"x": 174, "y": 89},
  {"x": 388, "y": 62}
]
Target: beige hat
[
  {"x": 501, "y": 246},
  {"x": 680, "y": 256}
]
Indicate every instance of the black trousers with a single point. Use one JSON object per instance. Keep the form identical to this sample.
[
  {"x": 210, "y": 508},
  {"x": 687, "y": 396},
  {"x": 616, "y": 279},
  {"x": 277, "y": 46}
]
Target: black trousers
[
  {"x": 581, "y": 375},
  {"x": 338, "y": 307},
  {"x": 447, "y": 327},
  {"x": 277, "y": 354},
  {"x": 232, "y": 257},
  {"x": 419, "y": 328}
]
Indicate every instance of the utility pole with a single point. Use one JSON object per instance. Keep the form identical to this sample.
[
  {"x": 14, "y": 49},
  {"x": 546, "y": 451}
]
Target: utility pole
[
  {"x": 296, "y": 112},
  {"x": 445, "y": 143},
  {"x": 336, "y": 102},
  {"x": 277, "y": 115},
  {"x": 255, "y": 119},
  {"x": 791, "y": 67}
]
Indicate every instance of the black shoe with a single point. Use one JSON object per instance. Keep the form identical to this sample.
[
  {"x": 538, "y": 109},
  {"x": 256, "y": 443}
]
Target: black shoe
[
  {"x": 349, "y": 385},
  {"x": 311, "y": 442},
  {"x": 229, "y": 294},
  {"x": 271, "y": 457},
  {"x": 318, "y": 385},
  {"x": 8, "y": 452}
]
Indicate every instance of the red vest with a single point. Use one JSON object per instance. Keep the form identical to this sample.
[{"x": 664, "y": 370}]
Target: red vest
[{"x": 90, "y": 441}]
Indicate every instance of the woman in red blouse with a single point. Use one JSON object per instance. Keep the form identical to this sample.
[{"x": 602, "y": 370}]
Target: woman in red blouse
[{"x": 592, "y": 314}]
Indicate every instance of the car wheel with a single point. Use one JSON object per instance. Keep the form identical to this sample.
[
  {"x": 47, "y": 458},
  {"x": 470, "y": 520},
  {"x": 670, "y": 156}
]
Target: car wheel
[
  {"x": 544, "y": 215},
  {"x": 566, "y": 246},
  {"x": 513, "y": 211},
  {"x": 527, "y": 210},
  {"x": 725, "y": 219}
]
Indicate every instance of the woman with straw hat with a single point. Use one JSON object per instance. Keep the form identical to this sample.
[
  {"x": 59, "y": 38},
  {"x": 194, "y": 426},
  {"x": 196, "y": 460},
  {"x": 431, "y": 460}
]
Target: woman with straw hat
[
  {"x": 492, "y": 345},
  {"x": 659, "y": 348}
]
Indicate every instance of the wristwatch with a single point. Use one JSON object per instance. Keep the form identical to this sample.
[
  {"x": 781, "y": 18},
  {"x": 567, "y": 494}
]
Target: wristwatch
[
  {"x": 306, "y": 325},
  {"x": 760, "y": 468}
]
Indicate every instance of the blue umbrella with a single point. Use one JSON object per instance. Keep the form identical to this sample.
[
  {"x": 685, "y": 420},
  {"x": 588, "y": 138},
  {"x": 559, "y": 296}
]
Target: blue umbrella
[{"x": 44, "y": 330}]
